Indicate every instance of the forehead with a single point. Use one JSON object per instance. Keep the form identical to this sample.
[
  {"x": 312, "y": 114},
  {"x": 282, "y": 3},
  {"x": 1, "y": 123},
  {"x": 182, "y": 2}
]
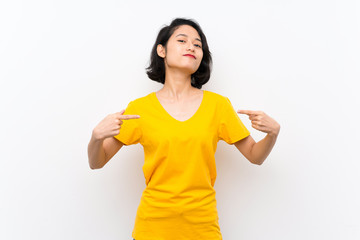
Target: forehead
[{"x": 188, "y": 30}]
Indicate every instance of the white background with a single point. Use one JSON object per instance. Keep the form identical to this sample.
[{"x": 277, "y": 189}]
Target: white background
[{"x": 65, "y": 65}]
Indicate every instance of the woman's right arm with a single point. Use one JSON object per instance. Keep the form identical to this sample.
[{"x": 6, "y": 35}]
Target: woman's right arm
[
  {"x": 101, "y": 151},
  {"x": 103, "y": 146}
]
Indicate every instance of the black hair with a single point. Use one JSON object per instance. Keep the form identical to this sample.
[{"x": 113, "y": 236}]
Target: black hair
[{"x": 156, "y": 69}]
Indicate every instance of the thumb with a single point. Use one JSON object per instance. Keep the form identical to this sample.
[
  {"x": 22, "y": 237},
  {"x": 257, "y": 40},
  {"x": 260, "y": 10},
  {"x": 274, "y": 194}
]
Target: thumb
[{"x": 122, "y": 111}]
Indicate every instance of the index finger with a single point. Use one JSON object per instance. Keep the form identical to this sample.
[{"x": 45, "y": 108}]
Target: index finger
[
  {"x": 126, "y": 117},
  {"x": 248, "y": 112}
]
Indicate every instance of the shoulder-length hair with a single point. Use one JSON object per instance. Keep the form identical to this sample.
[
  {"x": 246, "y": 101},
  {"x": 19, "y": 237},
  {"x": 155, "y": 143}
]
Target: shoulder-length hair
[{"x": 156, "y": 68}]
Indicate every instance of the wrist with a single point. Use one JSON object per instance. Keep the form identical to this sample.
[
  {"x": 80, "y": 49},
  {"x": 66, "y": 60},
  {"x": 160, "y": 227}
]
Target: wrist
[
  {"x": 96, "y": 137},
  {"x": 274, "y": 133}
]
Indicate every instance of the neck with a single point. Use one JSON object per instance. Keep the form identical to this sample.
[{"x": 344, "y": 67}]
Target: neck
[{"x": 177, "y": 84}]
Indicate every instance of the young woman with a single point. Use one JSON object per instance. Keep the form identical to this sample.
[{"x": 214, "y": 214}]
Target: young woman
[{"x": 179, "y": 127}]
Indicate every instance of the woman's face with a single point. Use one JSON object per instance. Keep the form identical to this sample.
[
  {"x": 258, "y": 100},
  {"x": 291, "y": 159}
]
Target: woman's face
[{"x": 183, "y": 50}]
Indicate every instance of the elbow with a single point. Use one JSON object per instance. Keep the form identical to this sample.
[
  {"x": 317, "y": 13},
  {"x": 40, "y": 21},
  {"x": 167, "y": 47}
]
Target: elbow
[
  {"x": 94, "y": 166},
  {"x": 256, "y": 158},
  {"x": 257, "y": 161}
]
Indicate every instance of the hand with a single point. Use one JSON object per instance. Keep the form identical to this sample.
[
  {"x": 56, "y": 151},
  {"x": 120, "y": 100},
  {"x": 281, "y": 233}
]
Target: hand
[
  {"x": 262, "y": 122},
  {"x": 111, "y": 124}
]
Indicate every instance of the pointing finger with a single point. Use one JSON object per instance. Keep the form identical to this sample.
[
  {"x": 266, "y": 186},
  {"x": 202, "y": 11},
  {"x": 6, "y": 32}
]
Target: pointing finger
[
  {"x": 248, "y": 112},
  {"x": 126, "y": 117}
]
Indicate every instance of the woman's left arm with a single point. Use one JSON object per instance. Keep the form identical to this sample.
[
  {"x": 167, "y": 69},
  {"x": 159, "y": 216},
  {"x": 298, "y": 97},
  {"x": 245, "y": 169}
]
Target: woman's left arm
[{"x": 257, "y": 152}]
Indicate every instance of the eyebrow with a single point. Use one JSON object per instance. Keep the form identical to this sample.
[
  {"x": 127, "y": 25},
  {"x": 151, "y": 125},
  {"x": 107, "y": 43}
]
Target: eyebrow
[{"x": 181, "y": 34}]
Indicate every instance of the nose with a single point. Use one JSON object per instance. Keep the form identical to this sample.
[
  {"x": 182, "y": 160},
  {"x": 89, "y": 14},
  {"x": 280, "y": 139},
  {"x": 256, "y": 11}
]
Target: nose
[{"x": 190, "y": 47}]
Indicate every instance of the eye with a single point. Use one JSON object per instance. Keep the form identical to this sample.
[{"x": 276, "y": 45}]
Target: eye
[
  {"x": 197, "y": 45},
  {"x": 181, "y": 41}
]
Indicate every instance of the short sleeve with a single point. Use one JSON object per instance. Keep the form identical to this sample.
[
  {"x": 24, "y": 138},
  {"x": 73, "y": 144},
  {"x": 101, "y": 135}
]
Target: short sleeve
[
  {"x": 231, "y": 129},
  {"x": 130, "y": 131}
]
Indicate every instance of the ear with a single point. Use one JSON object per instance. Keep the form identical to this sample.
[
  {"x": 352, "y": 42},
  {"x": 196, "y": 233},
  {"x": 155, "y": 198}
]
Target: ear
[{"x": 160, "y": 50}]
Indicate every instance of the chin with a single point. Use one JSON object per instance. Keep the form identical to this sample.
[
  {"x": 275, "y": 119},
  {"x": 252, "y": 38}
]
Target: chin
[{"x": 190, "y": 69}]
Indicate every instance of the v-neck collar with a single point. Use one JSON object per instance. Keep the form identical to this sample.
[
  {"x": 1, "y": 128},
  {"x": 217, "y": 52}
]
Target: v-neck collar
[{"x": 174, "y": 119}]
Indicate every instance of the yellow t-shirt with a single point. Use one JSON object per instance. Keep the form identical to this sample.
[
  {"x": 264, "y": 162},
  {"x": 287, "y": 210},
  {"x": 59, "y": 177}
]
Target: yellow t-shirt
[{"x": 179, "y": 168}]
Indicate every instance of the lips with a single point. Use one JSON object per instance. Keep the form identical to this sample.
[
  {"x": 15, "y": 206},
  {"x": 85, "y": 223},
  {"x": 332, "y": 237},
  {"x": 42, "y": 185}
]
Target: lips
[{"x": 190, "y": 55}]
